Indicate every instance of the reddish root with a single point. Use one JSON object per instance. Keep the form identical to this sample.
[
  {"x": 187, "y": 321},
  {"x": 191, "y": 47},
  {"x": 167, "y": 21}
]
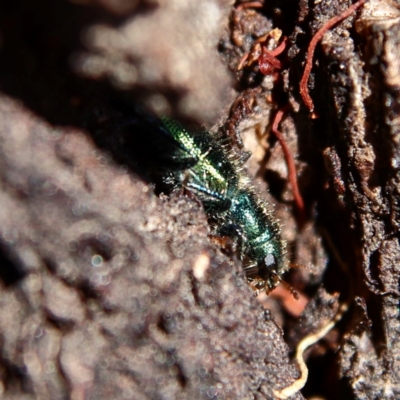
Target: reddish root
[
  {"x": 242, "y": 61},
  {"x": 293, "y": 302},
  {"x": 279, "y": 49},
  {"x": 304, "y": 92},
  {"x": 250, "y": 4},
  {"x": 267, "y": 60},
  {"x": 298, "y": 199},
  {"x": 267, "y": 63}
]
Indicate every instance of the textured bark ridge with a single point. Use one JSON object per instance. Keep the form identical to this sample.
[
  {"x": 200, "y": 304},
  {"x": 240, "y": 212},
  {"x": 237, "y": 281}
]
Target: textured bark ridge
[
  {"x": 356, "y": 89},
  {"x": 109, "y": 291},
  {"x": 370, "y": 154}
]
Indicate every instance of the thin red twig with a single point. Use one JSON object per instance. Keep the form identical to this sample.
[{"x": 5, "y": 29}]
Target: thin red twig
[
  {"x": 279, "y": 49},
  {"x": 250, "y": 4},
  {"x": 267, "y": 61},
  {"x": 311, "y": 48},
  {"x": 298, "y": 199},
  {"x": 243, "y": 61}
]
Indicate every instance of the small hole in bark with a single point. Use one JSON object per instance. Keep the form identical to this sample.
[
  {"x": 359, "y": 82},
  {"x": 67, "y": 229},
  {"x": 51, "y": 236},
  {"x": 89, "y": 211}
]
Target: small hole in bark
[{"x": 10, "y": 272}]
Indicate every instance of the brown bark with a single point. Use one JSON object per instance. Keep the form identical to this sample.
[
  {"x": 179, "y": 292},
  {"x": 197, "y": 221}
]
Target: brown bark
[{"x": 110, "y": 291}]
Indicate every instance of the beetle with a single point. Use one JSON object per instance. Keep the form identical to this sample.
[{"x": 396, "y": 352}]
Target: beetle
[{"x": 205, "y": 166}]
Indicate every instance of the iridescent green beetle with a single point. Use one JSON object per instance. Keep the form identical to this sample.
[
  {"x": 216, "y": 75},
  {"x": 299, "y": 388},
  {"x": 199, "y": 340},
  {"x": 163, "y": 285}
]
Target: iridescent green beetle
[{"x": 214, "y": 175}]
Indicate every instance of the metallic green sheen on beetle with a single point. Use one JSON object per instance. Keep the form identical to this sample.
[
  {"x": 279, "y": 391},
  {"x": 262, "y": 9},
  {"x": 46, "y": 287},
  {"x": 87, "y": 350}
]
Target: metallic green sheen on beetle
[{"x": 205, "y": 167}]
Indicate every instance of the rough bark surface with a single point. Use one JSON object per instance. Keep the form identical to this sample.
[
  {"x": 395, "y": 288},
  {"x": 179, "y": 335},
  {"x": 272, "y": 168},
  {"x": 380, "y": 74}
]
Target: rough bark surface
[
  {"x": 356, "y": 90},
  {"x": 110, "y": 291}
]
